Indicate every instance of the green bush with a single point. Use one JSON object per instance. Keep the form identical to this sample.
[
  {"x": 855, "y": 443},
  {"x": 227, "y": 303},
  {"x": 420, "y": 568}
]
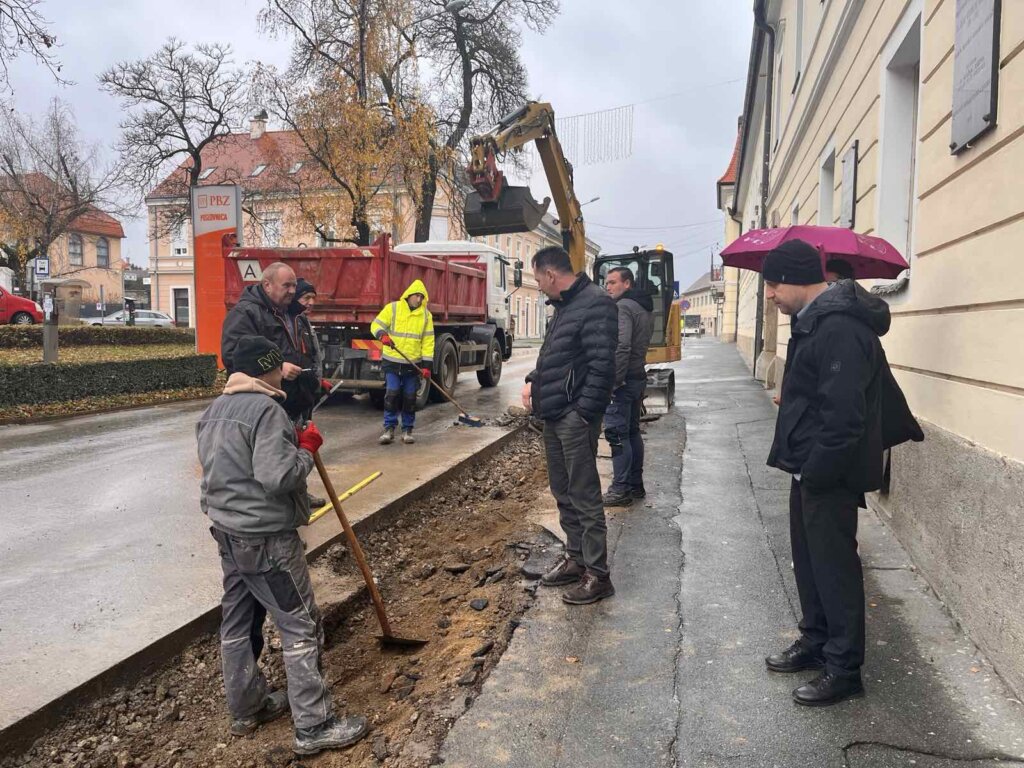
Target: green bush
[
  {"x": 31, "y": 336},
  {"x": 61, "y": 382}
]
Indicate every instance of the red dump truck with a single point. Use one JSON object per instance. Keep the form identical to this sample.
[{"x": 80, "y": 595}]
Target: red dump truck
[{"x": 468, "y": 298}]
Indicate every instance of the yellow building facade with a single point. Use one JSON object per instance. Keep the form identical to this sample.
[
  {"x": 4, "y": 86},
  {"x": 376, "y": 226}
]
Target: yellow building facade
[{"x": 874, "y": 122}]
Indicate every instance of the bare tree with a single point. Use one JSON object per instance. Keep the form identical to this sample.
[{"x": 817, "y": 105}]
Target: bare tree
[
  {"x": 49, "y": 178},
  {"x": 23, "y": 30},
  {"x": 479, "y": 77},
  {"x": 178, "y": 103}
]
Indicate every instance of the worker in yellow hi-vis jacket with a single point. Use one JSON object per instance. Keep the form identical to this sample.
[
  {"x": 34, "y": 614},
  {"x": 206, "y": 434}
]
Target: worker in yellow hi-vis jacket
[{"x": 407, "y": 327}]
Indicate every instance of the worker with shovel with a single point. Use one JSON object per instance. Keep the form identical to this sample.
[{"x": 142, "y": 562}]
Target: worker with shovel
[
  {"x": 255, "y": 462},
  {"x": 406, "y": 328}
]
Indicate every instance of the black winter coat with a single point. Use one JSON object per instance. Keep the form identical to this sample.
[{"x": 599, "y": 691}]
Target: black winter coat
[
  {"x": 576, "y": 365},
  {"x": 829, "y": 428},
  {"x": 256, "y": 315}
]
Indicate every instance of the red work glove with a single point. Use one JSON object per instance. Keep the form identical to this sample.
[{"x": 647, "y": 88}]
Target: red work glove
[
  {"x": 325, "y": 385},
  {"x": 310, "y": 438},
  {"x": 386, "y": 340},
  {"x": 425, "y": 372}
]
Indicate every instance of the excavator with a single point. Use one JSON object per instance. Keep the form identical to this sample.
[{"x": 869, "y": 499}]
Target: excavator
[{"x": 496, "y": 207}]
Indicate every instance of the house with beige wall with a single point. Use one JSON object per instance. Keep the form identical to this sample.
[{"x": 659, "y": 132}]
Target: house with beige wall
[{"x": 879, "y": 118}]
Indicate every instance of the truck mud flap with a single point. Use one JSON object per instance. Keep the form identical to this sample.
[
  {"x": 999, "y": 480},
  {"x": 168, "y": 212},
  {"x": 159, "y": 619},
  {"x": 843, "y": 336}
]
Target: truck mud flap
[
  {"x": 514, "y": 211},
  {"x": 660, "y": 395}
]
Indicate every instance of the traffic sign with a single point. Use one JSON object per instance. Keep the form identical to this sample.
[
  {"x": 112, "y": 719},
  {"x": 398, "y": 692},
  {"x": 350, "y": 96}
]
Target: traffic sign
[
  {"x": 684, "y": 304},
  {"x": 42, "y": 266}
]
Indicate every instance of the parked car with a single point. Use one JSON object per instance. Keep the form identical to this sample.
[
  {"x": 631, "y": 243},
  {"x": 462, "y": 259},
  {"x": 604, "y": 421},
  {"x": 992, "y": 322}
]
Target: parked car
[
  {"x": 143, "y": 317},
  {"x": 17, "y": 310}
]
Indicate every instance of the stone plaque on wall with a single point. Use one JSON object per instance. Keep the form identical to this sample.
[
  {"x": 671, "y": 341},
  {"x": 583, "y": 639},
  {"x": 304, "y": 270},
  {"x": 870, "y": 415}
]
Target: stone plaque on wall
[
  {"x": 848, "y": 205},
  {"x": 975, "y": 71}
]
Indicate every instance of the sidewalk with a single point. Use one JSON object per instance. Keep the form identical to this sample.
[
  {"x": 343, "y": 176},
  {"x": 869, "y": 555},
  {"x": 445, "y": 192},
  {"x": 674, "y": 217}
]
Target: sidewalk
[{"x": 670, "y": 671}]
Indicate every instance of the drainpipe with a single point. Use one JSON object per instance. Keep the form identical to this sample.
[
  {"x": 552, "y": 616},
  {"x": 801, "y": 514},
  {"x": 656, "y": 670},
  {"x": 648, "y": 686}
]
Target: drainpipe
[{"x": 761, "y": 23}]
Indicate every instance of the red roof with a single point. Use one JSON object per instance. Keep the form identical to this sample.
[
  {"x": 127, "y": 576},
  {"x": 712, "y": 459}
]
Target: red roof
[
  {"x": 729, "y": 177},
  {"x": 46, "y": 191},
  {"x": 233, "y": 158}
]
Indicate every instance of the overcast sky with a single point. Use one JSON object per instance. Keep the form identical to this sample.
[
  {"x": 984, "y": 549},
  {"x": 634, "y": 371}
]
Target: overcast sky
[{"x": 598, "y": 54}]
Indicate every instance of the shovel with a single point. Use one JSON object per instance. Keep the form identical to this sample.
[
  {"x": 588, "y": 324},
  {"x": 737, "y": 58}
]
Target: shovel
[
  {"x": 387, "y": 639},
  {"x": 465, "y": 418}
]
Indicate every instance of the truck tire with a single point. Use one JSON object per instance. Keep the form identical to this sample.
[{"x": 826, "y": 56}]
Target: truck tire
[
  {"x": 490, "y": 375},
  {"x": 446, "y": 367}
]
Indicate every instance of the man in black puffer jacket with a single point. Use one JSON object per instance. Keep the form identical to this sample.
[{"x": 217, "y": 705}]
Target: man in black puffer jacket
[
  {"x": 570, "y": 389},
  {"x": 829, "y": 436}
]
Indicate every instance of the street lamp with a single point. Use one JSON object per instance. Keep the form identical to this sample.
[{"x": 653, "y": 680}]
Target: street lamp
[{"x": 591, "y": 200}]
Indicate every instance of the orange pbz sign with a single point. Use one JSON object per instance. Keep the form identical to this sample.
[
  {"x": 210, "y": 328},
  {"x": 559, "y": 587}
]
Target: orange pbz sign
[{"x": 216, "y": 222}]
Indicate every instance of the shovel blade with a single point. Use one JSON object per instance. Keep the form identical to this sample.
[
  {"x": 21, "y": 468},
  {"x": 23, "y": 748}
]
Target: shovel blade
[
  {"x": 515, "y": 210},
  {"x": 390, "y": 641}
]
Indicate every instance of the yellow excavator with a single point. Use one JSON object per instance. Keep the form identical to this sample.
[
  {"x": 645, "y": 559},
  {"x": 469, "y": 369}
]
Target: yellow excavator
[{"x": 496, "y": 208}]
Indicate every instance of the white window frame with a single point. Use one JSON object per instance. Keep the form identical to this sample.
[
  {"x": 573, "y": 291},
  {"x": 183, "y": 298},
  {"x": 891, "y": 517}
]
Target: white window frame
[
  {"x": 272, "y": 229},
  {"x": 106, "y": 244},
  {"x": 76, "y": 260},
  {"x": 258, "y": 170},
  {"x": 827, "y": 185}
]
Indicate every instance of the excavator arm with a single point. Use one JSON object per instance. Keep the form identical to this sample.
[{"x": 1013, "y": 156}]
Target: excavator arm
[{"x": 496, "y": 207}]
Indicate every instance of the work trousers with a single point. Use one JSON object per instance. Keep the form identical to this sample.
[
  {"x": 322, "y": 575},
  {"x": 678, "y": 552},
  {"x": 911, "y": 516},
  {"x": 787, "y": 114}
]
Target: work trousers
[
  {"x": 571, "y": 447},
  {"x": 622, "y": 431},
  {"x": 829, "y": 579},
  {"x": 270, "y": 571},
  {"x": 401, "y": 386}
]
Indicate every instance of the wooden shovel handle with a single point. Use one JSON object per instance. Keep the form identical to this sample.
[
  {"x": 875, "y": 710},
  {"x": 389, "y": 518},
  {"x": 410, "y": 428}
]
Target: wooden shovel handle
[{"x": 353, "y": 542}]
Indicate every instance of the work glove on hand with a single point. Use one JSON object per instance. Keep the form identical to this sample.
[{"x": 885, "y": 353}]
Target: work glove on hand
[
  {"x": 309, "y": 438},
  {"x": 386, "y": 340},
  {"x": 325, "y": 385},
  {"x": 425, "y": 372}
]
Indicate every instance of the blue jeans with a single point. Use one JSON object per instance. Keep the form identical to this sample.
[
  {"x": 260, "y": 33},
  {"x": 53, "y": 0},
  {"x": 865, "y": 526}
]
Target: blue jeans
[
  {"x": 622, "y": 431},
  {"x": 400, "y": 393}
]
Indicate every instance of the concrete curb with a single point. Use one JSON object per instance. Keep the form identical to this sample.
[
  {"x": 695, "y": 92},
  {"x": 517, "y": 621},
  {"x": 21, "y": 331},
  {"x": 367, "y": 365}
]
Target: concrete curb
[{"x": 128, "y": 671}]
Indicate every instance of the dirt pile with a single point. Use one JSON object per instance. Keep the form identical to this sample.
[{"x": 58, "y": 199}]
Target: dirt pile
[{"x": 449, "y": 570}]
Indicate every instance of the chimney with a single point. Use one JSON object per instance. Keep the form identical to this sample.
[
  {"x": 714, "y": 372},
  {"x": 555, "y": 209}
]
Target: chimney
[{"x": 258, "y": 125}]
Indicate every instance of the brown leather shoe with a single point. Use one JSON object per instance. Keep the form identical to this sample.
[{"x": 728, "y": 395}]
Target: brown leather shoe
[
  {"x": 590, "y": 589},
  {"x": 568, "y": 571}
]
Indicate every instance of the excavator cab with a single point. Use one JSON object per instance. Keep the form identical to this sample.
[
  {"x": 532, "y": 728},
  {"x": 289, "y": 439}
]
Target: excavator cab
[{"x": 515, "y": 210}]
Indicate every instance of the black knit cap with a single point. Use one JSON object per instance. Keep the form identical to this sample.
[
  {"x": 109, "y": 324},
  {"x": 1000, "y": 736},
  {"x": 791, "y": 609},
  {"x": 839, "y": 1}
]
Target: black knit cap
[
  {"x": 302, "y": 287},
  {"x": 255, "y": 356},
  {"x": 794, "y": 262}
]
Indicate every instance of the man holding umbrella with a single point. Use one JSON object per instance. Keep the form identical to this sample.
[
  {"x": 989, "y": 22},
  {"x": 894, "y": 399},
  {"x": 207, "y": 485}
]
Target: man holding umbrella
[{"x": 829, "y": 437}]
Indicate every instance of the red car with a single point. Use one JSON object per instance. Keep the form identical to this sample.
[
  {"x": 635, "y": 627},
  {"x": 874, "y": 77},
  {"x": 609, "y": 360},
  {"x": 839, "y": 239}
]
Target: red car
[{"x": 18, "y": 311}]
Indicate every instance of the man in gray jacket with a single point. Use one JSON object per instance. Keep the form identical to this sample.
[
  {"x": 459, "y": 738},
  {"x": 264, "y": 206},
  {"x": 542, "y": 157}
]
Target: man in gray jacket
[
  {"x": 255, "y": 462},
  {"x": 622, "y": 419}
]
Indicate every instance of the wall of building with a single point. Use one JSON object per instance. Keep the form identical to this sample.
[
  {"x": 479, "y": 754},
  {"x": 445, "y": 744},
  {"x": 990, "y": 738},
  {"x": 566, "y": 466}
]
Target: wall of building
[
  {"x": 954, "y": 343},
  {"x": 101, "y": 282}
]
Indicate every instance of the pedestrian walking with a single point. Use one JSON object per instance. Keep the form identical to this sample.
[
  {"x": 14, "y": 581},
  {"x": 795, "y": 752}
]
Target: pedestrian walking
[
  {"x": 570, "y": 389},
  {"x": 406, "y": 328},
  {"x": 622, "y": 419},
  {"x": 253, "y": 490},
  {"x": 828, "y": 436}
]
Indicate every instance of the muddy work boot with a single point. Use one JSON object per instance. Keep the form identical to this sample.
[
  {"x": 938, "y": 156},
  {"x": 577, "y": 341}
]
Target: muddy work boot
[
  {"x": 407, "y": 437},
  {"x": 330, "y": 734},
  {"x": 590, "y": 589},
  {"x": 568, "y": 571},
  {"x": 388, "y": 437},
  {"x": 274, "y": 705},
  {"x": 617, "y": 499}
]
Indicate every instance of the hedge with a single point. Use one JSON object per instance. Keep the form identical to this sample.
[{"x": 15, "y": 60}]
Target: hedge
[
  {"x": 31, "y": 336},
  {"x": 61, "y": 382}
]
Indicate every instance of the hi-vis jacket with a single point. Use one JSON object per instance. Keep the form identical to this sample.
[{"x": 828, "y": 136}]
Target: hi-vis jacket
[{"x": 412, "y": 330}]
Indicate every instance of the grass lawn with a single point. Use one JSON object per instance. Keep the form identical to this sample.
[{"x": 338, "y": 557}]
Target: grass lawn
[{"x": 97, "y": 354}]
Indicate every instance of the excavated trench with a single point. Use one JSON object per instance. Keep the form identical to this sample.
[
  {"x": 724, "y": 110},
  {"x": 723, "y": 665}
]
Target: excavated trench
[{"x": 450, "y": 572}]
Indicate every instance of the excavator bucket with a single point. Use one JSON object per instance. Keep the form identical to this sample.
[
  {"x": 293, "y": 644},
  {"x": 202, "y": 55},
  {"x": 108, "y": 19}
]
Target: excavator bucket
[{"x": 514, "y": 211}]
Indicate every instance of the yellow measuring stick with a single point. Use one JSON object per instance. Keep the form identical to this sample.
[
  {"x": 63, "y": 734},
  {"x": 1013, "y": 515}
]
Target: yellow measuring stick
[{"x": 346, "y": 495}]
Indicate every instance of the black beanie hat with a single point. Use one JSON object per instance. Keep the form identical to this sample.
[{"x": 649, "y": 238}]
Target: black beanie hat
[
  {"x": 302, "y": 287},
  {"x": 255, "y": 356},
  {"x": 794, "y": 262}
]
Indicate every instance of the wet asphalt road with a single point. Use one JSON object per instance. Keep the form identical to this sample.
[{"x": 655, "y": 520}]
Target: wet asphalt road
[{"x": 103, "y": 548}]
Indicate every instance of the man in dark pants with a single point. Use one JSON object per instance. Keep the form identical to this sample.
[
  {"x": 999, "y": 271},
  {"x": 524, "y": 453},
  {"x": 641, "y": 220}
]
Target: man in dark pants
[
  {"x": 622, "y": 419},
  {"x": 570, "y": 389},
  {"x": 829, "y": 437},
  {"x": 253, "y": 490}
]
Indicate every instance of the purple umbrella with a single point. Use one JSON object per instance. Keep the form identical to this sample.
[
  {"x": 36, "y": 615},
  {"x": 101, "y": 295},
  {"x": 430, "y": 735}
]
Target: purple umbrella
[{"x": 870, "y": 257}]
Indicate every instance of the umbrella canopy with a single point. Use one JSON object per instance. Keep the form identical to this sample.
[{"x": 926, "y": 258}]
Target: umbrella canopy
[{"x": 870, "y": 257}]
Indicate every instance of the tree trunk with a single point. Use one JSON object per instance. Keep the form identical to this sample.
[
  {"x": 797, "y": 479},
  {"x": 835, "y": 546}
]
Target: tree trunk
[{"x": 428, "y": 191}]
